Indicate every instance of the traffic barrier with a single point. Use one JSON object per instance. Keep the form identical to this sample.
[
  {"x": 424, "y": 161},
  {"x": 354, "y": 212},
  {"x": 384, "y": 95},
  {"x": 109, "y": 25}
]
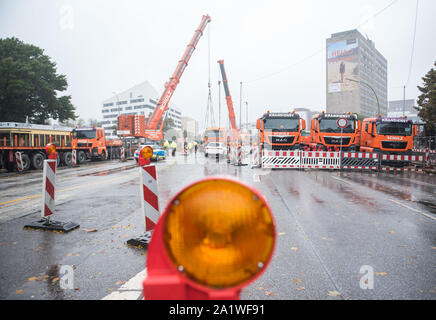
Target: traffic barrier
[
  {"x": 74, "y": 158},
  {"x": 255, "y": 157},
  {"x": 360, "y": 160},
  {"x": 149, "y": 204},
  {"x": 281, "y": 159},
  {"x": 320, "y": 160},
  {"x": 48, "y": 202},
  {"x": 122, "y": 154},
  {"x": 424, "y": 150},
  {"x": 400, "y": 169},
  {"x": 19, "y": 161},
  {"x": 396, "y": 157}
]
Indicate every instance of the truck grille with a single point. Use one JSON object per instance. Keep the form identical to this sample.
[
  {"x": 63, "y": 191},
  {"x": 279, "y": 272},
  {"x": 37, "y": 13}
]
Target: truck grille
[
  {"x": 284, "y": 140},
  {"x": 394, "y": 144},
  {"x": 337, "y": 141}
]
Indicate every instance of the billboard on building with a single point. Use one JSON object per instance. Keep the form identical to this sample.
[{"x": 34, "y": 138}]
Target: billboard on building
[{"x": 342, "y": 64}]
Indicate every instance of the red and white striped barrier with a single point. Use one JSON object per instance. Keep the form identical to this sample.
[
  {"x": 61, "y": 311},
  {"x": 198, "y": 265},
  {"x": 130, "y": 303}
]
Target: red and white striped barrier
[
  {"x": 150, "y": 200},
  {"x": 360, "y": 160},
  {"x": 401, "y": 157},
  {"x": 19, "y": 161},
  {"x": 74, "y": 158},
  {"x": 281, "y": 159},
  {"x": 48, "y": 188},
  {"x": 122, "y": 153},
  {"x": 424, "y": 150},
  {"x": 149, "y": 204},
  {"x": 320, "y": 160},
  {"x": 239, "y": 155},
  {"x": 255, "y": 157}
]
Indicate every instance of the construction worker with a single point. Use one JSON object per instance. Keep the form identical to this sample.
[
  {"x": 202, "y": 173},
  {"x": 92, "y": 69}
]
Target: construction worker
[
  {"x": 166, "y": 144},
  {"x": 190, "y": 147},
  {"x": 174, "y": 147}
]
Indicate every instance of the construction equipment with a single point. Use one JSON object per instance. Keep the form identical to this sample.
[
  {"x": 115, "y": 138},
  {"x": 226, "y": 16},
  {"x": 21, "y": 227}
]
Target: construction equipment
[
  {"x": 327, "y": 135},
  {"x": 280, "y": 130},
  {"x": 153, "y": 130}
]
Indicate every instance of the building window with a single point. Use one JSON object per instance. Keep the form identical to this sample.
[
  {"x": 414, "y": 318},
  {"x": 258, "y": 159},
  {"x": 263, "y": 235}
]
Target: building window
[
  {"x": 121, "y": 102},
  {"x": 108, "y": 104},
  {"x": 137, "y": 100}
]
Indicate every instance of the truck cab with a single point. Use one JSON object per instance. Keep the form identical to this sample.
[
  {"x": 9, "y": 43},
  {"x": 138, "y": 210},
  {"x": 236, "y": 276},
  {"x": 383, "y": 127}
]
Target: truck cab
[
  {"x": 325, "y": 134},
  {"x": 393, "y": 135},
  {"x": 91, "y": 141},
  {"x": 280, "y": 130}
]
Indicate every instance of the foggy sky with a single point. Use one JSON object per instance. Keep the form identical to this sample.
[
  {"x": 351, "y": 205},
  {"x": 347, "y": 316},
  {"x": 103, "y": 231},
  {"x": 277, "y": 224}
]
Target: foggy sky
[{"x": 107, "y": 46}]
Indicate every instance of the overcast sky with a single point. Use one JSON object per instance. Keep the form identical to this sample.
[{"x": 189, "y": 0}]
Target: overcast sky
[{"x": 106, "y": 46}]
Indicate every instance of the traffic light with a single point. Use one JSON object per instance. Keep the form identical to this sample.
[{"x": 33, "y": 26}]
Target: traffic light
[{"x": 214, "y": 238}]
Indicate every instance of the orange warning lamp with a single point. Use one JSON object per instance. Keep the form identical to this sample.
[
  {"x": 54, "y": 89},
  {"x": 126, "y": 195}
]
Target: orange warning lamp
[
  {"x": 145, "y": 155},
  {"x": 206, "y": 247},
  {"x": 146, "y": 152},
  {"x": 50, "y": 150}
]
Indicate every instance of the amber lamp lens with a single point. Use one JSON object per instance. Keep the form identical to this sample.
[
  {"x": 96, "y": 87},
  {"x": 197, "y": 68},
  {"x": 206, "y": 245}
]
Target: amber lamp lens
[
  {"x": 147, "y": 152},
  {"x": 50, "y": 148},
  {"x": 219, "y": 233}
]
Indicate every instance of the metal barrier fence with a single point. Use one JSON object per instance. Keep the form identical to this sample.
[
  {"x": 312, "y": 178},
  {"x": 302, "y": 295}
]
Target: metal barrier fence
[{"x": 298, "y": 159}]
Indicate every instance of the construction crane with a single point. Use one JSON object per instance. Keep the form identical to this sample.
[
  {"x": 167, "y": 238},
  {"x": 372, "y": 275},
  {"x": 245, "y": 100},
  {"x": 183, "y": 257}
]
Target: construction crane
[
  {"x": 153, "y": 129},
  {"x": 234, "y": 131}
]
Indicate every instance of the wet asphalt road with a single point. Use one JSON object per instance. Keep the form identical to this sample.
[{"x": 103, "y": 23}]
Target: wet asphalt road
[{"x": 329, "y": 224}]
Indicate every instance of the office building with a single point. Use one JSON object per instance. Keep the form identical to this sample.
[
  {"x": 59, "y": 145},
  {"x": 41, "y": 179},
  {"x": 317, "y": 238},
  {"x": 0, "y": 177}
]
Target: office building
[
  {"x": 356, "y": 77},
  {"x": 138, "y": 100}
]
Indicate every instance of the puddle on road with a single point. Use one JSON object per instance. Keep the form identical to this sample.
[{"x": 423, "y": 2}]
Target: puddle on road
[{"x": 430, "y": 206}]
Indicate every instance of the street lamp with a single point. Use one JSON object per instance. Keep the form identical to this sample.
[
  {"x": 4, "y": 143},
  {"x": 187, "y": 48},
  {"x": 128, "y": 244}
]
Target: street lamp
[{"x": 376, "y": 98}]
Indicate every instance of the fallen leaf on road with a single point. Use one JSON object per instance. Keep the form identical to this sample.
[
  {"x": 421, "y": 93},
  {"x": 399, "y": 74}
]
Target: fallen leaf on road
[
  {"x": 297, "y": 281},
  {"x": 334, "y": 293},
  {"x": 294, "y": 248},
  {"x": 260, "y": 288},
  {"x": 54, "y": 280},
  {"x": 19, "y": 291},
  {"x": 33, "y": 279},
  {"x": 392, "y": 232},
  {"x": 268, "y": 293},
  {"x": 281, "y": 233},
  {"x": 90, "y": 230},
  {"x": 381, "y": 273},
  {"x": 300, "y": 288}
]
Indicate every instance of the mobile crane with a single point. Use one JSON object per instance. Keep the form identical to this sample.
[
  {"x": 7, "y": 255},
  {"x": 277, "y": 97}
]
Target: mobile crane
[
  {"x": 153, "y": 129},
  {"x": 234, "y": 131}
]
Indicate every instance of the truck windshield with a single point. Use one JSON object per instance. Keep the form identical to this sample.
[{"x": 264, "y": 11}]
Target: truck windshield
[
  {"x": 394, "y": 128},
  {"x": 84, "y": 134},
  {"x": 213, "y": 134},
  {"x": 282, "y": 124},
  {"x": 330, "y": 125}
]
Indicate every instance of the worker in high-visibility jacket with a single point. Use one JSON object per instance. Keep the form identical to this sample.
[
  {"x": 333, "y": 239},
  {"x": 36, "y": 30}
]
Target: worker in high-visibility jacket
[
  {"x": 174, "y": 147},
  {"x": 190, "y": 147}
]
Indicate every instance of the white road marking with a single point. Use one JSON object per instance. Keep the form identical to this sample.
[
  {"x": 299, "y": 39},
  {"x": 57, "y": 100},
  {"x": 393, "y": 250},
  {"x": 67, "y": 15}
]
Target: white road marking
[
  {"x": 131, "y": 290},
  {"x": 256, "y": 177},
  {"x": 413, "y": 209},
  {"x": 340, "y": 179}
]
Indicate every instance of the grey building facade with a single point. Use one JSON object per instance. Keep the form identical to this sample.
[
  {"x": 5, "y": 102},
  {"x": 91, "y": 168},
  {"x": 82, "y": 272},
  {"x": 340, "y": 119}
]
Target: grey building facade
[{"x": 356, "y": 75}]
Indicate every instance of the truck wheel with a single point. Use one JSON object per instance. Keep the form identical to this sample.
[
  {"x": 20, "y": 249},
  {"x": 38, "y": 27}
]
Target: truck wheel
[
  {"x": 58, "y": 159},
  {"x": 26, "y": 161},
  {"x": 81, "y": 156},
  {"x": 67, "y": 159},
  {"x": 103, "y": 155},
  {"x": 38, "y": 160}
]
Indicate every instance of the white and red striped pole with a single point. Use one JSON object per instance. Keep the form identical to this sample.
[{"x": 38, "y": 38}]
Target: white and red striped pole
[
  {"x": 19, "y": 161},
  {"x": 150, "y": 199},
  {"x": 122, "y": 153},
  {"x": 74, "y": 158},
  {"x": 48, "y": 188},
  {"x": 239, "y": 154}
]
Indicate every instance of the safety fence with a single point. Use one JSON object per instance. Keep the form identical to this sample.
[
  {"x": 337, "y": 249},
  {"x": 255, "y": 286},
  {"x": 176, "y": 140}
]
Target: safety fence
[{"x": 298, "y": 159}]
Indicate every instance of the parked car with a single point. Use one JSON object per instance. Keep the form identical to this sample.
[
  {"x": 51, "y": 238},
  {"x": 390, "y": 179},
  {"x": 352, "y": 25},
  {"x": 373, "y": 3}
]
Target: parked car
[
  {"x": 159, "y": 153},
  {"x": 215, "y": 148}
]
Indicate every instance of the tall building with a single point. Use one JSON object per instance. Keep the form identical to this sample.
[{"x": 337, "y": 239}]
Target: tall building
[
  {"x": 356, "y": 75},
  {"x": 138, "y": 100}
]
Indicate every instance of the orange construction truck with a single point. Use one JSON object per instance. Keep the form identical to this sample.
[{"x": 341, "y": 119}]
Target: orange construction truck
[
  {"x": 325, "y": 133},
  {"x": 280, "y": 130},
  {"x": 389, "y": 135},
  {"x": 91, "y": 143},
  {"x": 214, "y": 134}
]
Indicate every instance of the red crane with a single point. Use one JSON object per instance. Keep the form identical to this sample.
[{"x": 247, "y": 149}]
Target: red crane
[
  {"x": 151, "y": 130},
  {"x": 234, "y": 132}
]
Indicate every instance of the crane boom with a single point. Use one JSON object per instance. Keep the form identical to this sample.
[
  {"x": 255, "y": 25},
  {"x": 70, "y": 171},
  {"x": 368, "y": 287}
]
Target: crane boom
[
  {"x": 151, "y": 130},
  {"x": 234, "y": 128}
]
